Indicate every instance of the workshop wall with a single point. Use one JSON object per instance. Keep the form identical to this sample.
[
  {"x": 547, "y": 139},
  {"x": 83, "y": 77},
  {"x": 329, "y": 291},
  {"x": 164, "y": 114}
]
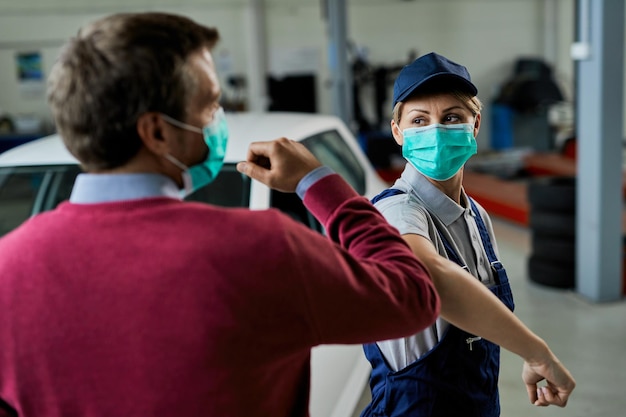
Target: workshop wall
[{"x": 485, "y": 35}]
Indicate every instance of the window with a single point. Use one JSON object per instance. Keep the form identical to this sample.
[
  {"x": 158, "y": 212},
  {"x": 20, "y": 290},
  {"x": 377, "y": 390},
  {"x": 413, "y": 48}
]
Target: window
[
  {"x": 332, "y": 151},
  {"x": 290, "y": 204},
  {"x": 229, "y": 189},
  {"x": 25, "y": 191},
  {"x": 330, "y": 148}
]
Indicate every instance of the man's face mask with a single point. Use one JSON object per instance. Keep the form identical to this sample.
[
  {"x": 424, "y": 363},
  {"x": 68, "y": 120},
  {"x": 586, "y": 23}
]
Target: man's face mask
[
  {"x": 216, "y": 138},
  {"x": 438, "y": 151}
]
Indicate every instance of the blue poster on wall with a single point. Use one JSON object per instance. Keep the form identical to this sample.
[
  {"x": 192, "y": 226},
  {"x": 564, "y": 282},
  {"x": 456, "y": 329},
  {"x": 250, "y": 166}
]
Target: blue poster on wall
[{"x": 30, "y": 73}]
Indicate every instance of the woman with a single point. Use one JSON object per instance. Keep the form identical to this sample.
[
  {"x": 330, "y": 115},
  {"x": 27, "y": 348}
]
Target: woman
[{"x": 446, "y": 371}]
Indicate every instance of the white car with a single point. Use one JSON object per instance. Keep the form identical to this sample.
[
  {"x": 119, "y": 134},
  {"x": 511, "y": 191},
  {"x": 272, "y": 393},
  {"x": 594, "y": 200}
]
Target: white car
[{"x": 38, "y": 175}]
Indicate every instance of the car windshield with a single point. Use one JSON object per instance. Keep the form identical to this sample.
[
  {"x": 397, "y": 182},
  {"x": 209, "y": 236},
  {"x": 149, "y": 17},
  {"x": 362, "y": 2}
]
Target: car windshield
[{"x": 25, "y": 191}]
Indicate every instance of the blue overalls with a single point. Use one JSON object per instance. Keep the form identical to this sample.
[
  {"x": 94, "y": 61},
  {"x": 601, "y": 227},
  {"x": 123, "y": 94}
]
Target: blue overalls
[{"x": 458, "y": 377}]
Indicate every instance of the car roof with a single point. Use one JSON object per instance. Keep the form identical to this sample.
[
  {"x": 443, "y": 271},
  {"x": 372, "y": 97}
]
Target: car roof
[{"x": 244, "y": 128}]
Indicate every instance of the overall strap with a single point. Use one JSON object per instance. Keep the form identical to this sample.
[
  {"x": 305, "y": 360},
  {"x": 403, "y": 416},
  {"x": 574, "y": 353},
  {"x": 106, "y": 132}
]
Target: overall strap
[
  {"x": 448, "y": 247},
  {"x": 496, "y": 265},
  {"x": 387, "y": 193}
]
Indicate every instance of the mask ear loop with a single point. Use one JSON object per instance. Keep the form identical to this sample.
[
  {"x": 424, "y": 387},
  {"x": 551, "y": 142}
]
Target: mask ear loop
[
  {"x": 180, "y": 124},
  {"x": 176, "y": 162},
  {"x": 187, "y": 181},
  {"x": 186, "y": 177}
]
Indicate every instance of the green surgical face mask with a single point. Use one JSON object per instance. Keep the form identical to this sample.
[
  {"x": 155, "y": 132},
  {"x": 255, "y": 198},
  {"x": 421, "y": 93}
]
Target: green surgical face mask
[
  {"x": 216, "y": 138},
  {"x": 439, "y": 151}
]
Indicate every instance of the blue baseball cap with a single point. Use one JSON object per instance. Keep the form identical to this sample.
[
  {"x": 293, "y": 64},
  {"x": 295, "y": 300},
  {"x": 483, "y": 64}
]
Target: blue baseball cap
[{"x": 427, "y": 69}]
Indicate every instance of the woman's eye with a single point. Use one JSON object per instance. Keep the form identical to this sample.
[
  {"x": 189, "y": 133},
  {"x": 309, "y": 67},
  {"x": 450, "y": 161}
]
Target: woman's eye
[
  {"x": 418, "y": 121},
  {"x": 452, "y": 118}
]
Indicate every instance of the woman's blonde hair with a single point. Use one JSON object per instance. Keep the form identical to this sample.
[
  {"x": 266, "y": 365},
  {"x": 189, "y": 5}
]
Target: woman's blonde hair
[{"x": 472, "y": 102}]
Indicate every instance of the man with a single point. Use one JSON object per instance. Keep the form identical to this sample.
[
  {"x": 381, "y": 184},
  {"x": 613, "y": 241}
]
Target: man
[{"x": 128, "y": 301}]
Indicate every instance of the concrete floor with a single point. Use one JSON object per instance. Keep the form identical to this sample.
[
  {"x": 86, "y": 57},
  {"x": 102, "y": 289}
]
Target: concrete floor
[{"x": 590, "y": 339}]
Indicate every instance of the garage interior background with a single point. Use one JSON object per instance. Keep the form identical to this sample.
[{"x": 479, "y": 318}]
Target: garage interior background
[{"x": 487, "y": 36}]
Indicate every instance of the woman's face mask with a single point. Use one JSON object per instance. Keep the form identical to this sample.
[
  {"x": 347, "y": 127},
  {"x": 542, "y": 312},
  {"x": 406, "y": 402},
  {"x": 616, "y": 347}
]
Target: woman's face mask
[
  {"x": 216, "y": 138},
  {"x": 439, "y": 151}
]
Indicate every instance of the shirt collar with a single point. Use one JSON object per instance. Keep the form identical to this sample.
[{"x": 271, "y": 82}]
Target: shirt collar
[
  {"x": 102, "y": 188},
  {"x": 432, "y": 198}
]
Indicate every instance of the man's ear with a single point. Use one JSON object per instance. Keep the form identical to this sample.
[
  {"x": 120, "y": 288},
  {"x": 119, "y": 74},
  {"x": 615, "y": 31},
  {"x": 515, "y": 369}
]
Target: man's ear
[{"x": 150, "y": 127}]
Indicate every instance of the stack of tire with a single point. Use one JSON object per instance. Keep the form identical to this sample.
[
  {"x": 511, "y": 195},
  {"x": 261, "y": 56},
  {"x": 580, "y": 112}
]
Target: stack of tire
[{"x": 552, "y": 220}]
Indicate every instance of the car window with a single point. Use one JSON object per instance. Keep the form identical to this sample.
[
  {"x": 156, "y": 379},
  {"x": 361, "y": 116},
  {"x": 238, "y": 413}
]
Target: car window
[
  {"x": 25, "y": 191},
  {"x": 229, "y": 189},
  {"x": 332, "y": 150},
  {"x": 290, "y": 204}
]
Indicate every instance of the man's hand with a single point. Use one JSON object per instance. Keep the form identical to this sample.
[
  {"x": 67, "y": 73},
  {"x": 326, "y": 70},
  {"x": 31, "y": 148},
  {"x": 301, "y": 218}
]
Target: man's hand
[
  {"x": 280, "y": 164},
  {"x": 560, "y": 383}
]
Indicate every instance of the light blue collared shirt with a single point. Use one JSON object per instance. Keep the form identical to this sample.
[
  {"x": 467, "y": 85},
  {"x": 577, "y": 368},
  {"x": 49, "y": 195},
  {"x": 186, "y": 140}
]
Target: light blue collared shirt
[
  {"x": 311, "y": 178},
  {"x": 102, "y": 188}
]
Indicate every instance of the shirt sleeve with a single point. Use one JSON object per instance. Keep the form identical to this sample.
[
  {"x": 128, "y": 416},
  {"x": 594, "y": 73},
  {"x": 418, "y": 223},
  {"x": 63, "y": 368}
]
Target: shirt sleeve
[
  {"x": 311, "y": 178},
  {"x": 406, "y": 216}
]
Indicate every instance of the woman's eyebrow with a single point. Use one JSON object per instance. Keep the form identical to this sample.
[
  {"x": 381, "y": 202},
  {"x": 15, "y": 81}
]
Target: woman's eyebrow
[
  {"x": 415, "y": 109},
  {"x": 418, "y": 110},
  {"x": 453, "y": 108}
]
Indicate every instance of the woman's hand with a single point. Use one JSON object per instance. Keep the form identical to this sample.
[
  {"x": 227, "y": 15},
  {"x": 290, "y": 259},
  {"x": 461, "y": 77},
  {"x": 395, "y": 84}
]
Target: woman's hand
[{"x": 559, "y": 382}]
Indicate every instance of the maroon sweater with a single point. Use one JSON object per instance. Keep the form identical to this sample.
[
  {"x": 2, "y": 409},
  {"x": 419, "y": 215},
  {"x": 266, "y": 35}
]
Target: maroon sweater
[{"x": 158, "y": 307}]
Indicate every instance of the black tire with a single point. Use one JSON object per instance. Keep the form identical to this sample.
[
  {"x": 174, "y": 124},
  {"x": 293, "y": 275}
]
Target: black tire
[
  {"x": 554, "y": 249},
  {"x": 556, "y": 194},
  {"x": 552, "y": 274},
  {"x": 553, "y": 224}
]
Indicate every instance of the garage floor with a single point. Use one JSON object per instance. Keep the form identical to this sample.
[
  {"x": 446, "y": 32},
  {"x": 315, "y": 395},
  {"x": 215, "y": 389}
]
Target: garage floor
[{"x": 590, "y": 339}]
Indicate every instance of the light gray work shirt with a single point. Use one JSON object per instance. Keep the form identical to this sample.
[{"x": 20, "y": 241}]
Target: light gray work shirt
[{"x": 423, "y": 210}]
